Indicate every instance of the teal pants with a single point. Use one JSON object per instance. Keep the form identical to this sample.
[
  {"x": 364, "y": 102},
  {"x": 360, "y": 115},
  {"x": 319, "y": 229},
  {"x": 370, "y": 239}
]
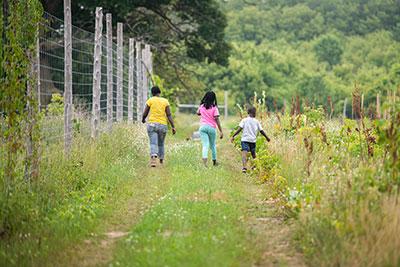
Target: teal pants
[{"x": 208, "y": 136}]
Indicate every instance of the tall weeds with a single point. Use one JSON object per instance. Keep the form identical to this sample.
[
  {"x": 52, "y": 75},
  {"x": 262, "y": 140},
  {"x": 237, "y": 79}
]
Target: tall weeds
[{"x": 340, "y": 180}]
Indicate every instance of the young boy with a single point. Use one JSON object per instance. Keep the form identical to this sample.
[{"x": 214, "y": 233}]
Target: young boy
[{"x": 250, "y": 126}]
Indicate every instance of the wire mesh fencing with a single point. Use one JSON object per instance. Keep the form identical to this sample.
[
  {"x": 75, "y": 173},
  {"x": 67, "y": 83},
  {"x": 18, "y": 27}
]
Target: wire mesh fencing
[{"x": 123, "y": 63}]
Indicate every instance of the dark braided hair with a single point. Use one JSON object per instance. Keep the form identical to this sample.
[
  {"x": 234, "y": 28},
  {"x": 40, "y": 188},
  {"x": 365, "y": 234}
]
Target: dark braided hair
[{"x": 209, "y": 100}]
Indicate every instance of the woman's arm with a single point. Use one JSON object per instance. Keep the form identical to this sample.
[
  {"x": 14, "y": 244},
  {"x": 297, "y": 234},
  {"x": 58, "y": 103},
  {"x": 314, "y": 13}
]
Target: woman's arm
[
  {"x": 145, "y": 113},
  {"x": 221, "y": 134},
  {"x": 171, "y": 121}
]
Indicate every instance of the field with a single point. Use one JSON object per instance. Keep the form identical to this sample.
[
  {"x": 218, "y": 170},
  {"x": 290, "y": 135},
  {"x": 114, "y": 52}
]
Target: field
[
  {"x": 323, "y": 193},
  {"x": 339, "y": 179}
]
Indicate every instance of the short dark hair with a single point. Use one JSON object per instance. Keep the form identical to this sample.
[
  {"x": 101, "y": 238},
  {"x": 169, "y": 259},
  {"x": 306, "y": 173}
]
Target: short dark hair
[
  {"x": 155, "y": 90},
  {"x": 251, "y": 110}
]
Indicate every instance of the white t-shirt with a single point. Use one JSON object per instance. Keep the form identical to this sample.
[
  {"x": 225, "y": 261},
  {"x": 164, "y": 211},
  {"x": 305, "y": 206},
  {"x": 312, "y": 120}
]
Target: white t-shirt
[{"x": 251, "y": 127}]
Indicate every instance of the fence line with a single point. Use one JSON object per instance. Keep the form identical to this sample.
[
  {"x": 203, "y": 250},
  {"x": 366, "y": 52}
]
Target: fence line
[{"x": 102, "y": 81}]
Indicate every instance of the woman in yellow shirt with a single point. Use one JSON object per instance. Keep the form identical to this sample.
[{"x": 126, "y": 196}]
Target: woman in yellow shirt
[{"x": 157, "y": 125}]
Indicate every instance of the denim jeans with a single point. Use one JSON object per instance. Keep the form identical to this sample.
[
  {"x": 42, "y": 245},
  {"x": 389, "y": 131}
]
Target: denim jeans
[
  {"x": 208, "y": 135},
  {"x": 157, "y": 133}
]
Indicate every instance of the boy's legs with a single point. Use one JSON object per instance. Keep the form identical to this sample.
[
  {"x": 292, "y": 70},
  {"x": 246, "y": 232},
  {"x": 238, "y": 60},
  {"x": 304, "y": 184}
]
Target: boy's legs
[
  {"x": 162, "y": 132},
  {"x": 253, "y": 152},
  {"x": 245, "y": 151},
  {"x": 244, "y": 159},
  {"x": 205, "y": 142}
]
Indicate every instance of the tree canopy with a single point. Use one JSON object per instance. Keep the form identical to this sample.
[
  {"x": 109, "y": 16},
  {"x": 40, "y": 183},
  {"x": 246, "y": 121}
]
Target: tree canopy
[
  {"x": 196, "y": 26},
  {"x": 309, "y": 48}
]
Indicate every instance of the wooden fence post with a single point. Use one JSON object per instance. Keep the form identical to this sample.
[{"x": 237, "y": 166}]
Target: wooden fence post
[
  {"x": 378, "y": 107},
  {"x": 284, "y": 106},
  {"x": 362, "y": 105},
  {"x": 130, "y": 85},
  {"x": 67, "y": 77},
  {"x": 96, "y": 91},
  {"x": 145, "y": 84},
  {"x": 226, "y": 104},
  {"x": 110, "y": 83},
  {"x": 30, "y": 122},
  {"x": 150, "y": 59},
  {"x": 139, "y": 105},
  {"x": 38, "y": 84},
  {"x": 120, "y": 71}
]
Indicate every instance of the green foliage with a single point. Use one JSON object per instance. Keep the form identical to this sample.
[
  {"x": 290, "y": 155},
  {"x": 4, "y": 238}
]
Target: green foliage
[
  {"x": 197, "y": 221},
  {"x": 70, "y": 194},
  {"x": 56, "y": 106},
  {"x": 389, "y": 136},
  {"x": 19, "y": 20},
  {"x": 328, "y": 49},
  {"x": 162, "y": 23},
  {"x": 340, "y": 182},
  {"x": 309, "y": 48}
]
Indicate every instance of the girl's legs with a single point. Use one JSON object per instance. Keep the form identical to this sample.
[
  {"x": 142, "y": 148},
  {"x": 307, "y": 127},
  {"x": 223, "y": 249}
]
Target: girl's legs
[
  {"x": 205, "y": 142},
  {"x": 212, "y": 133}
]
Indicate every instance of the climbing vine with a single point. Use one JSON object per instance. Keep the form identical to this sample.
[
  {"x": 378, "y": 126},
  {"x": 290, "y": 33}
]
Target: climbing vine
[{"x": 19, "y": 20}]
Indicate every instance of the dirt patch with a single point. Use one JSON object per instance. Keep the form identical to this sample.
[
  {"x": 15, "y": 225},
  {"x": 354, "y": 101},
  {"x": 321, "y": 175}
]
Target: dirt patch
[
  {"x": 270, "y": 233},
  {"x": 98, "y": 248},
  {"x": 116, "y": 234},
  {"x": 273, "y": 234},
  {"x": 202, "y": 196}
]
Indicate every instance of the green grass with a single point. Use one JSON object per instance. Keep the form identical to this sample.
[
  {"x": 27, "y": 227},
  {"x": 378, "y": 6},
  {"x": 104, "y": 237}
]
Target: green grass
[
  {"x": 197, "y": 223},
  {"x": 71, "y": 196}
]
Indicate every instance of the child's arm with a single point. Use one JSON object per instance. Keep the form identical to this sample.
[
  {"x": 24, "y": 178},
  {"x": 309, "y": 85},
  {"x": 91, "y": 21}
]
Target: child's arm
[
  {"x": 265, "y": 135},
  {"x": 221, "y": 135},
  {"x": 236, "y": 133}
]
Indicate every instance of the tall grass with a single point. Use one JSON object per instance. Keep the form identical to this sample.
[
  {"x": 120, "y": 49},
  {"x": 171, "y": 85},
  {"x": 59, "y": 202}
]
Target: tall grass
[
  {"x": 70, "y": 193},
  {"x": 336, "y": 180}
]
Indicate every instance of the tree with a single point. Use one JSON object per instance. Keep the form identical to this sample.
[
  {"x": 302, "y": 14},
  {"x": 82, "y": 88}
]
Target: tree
[
  {"x": 328, "y": 49},
  {"x": 198, "y": 25}
]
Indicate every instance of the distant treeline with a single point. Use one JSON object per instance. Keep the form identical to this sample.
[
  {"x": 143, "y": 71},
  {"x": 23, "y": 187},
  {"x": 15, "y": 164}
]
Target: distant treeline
[{"x": 312, "y": 49}]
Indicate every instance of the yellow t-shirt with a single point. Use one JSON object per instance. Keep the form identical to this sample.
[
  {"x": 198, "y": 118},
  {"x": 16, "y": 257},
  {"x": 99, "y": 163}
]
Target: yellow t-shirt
[{"x": 157, "y": 110}]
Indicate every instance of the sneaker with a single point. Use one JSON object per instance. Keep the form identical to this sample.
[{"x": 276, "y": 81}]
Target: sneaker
[
  {"x": 215, "y": 163},
  {"x": 153, "y": 162},
  {"x": 244, "y": 170},
  {"x": 161, "y": 161}
]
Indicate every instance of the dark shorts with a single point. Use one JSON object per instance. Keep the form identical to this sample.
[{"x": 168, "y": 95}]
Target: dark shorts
[{"x": 249, "y": 147}]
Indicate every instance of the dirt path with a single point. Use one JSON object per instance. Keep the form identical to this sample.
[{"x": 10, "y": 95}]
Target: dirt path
[
  {"x": 272, "y": 234},
  {"x": 267, "y": 235},
  {"x": 97, "y": 249}
]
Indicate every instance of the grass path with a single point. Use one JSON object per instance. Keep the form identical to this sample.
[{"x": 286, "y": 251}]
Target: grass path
[{"x": 184, "y": 214}]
